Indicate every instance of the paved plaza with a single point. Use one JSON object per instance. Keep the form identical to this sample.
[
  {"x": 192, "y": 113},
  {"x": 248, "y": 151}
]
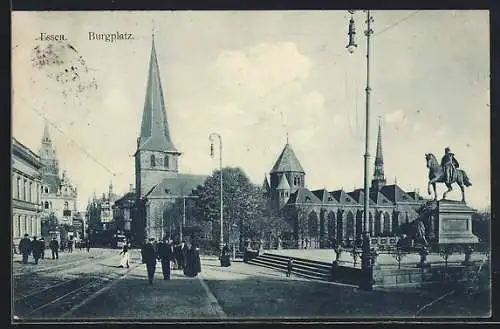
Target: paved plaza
[{"x": 89, "y": 286}]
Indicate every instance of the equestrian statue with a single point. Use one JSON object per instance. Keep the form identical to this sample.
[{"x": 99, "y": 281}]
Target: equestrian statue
[{"x": 447, "y": 172}]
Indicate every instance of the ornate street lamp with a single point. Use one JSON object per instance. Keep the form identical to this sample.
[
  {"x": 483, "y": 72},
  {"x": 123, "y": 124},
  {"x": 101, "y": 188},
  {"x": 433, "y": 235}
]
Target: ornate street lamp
[
  {"x": 212, "y": 138},
  {"x": 351, "y": 47}
]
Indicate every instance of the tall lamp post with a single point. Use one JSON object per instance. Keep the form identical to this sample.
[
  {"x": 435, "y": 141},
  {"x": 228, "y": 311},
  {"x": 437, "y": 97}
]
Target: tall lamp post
[
  {"x": 212, "y": 138},
  {"x": 351, "y": 47},
  {"x": 184, "y": 197}
]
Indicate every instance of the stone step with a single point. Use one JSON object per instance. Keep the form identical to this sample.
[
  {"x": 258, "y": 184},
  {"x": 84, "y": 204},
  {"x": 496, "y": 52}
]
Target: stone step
[{"x": 305, "y": 270}]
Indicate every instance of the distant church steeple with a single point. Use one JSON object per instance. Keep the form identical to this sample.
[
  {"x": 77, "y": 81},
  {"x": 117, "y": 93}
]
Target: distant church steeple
[
  {"x": 48, "y": 157},
  {"x": 379, "y": 180}
]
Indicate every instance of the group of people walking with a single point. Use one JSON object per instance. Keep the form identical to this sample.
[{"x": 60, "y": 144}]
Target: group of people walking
[
  {"x": 183, "y": 256},
  {"x": 36, "y": 248}
]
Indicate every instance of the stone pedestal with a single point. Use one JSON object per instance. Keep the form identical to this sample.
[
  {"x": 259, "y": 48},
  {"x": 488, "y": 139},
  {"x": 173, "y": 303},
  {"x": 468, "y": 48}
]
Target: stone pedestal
[{"x": 454, "y": 223}]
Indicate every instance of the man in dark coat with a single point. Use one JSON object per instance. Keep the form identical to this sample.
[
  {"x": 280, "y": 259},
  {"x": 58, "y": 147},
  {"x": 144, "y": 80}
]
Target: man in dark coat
[
  {"x": 54, "y": 246},
  {"x": 165, "y": 254},
  {"x": 36, "y": 249},
  {"x": 42, "y": 244},
  {"x": 149, "y": 257},
  {"x": 25, "y": 248}
]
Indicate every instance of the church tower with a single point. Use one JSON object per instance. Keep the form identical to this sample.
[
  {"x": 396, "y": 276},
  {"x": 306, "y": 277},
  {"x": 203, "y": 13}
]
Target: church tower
[
  {"x": 48, "y": 157},
  {"x": 156, "y": 157},
  {"x": 286, "y": 176},
  {"x": 378, "y": 180}
]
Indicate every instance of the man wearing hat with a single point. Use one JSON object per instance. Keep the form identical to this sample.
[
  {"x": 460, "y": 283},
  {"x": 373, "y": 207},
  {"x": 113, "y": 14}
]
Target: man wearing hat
[
  {"x": 149, "y": 256},
  {"x": 25, "y": 248},
  {"x": 449, "y": 164}
]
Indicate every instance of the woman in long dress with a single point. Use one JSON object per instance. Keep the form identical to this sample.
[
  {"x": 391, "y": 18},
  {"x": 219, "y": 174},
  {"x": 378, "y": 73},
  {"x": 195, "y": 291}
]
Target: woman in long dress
[
  {"x": 193, "y": 264},
  {"x": 125, "y": 257}
]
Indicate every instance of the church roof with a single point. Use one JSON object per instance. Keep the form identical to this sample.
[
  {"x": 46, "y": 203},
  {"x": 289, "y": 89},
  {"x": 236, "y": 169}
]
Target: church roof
[
  {"x": 303, "y": 195},
  {"x": 283, "y": 185},
  {"x": 380, "y": 199},
  {"x": 155, "y": 135},
  {"x": 265, "y": 185},
  {"x": 342, "y": 197},
  {"x": 179, "y": 185},
  {"x": 287, "y": 161},
  {"x": 52, "y": 181},
  {"x": 359, "y": 196},
  {"x": 324, "y": 196},
  {"x": 395, "y": 194}
]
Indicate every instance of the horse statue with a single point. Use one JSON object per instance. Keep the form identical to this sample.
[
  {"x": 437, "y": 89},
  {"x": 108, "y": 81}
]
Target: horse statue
[{"x": 437, "y": 175}]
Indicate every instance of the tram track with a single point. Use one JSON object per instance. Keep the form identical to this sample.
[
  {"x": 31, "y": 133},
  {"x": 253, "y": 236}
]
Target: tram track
[{"x": 60, "y": 298}]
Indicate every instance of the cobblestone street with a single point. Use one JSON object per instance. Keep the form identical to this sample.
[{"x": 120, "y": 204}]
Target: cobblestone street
[{"x": 85, "y": 285}]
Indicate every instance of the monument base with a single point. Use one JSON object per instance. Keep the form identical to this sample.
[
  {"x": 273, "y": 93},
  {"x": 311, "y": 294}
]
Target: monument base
[{"x": 455, "y": 223}]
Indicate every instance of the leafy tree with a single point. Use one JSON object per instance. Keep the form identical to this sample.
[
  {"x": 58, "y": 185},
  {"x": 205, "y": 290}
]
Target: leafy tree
[
  {"x": 48, "y": 224},
  {"x": 242, "y": 204}
]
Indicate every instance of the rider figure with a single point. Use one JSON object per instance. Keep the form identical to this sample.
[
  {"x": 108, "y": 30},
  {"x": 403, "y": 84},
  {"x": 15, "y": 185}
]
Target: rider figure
[{"x": 449, "y": 164}]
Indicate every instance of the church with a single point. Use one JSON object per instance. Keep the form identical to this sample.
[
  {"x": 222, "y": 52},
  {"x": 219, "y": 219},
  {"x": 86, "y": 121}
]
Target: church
[
  {"x": 319, "y": 217},
  {"x": 59, "y": 196},
  {"x": 158, "y": 182}
]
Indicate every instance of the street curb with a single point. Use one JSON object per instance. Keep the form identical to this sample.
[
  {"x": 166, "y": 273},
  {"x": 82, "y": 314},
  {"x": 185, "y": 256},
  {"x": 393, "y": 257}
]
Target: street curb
[{"x": 212, "y": 301}]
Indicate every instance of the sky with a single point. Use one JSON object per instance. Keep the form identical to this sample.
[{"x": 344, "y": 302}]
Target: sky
[{"x": 255, "y": 77}]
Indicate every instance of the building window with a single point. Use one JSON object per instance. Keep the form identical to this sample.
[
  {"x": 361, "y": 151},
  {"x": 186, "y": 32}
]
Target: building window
[
  {"x": 19, "y": 188},
  {"x": 166, "y": 162},
  {"x": 66, "y": 205},
  {"x": 46, "y": 190},
  {"x": 15, "y": 226},
  {"x": 30, "y": 194},
  {"x": 153, "y": 160},
  {"x": 46, "y": 205},
  {"x": 24, "y": 189}
]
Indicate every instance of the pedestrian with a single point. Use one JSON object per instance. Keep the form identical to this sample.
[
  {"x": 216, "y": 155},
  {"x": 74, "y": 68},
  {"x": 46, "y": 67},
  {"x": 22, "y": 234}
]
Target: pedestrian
[
  {"x": 62, "y": 245},
  {"x": 54, "y": 246},
  {"x": 125, "y": 257},
  {"x": 225, "y": 260},
  {"x": 193, "y": 263},
  {"x": 25, "y": 248},
  {"x": 289, "y": 267},
  {"x": 165, "y": 255},
  {"x": 80, "y": 244},
  {"x": 42, "y": 243},
  {"x": 36, "y": 249},
  {"x": 148, "y": 254},
  {"x": 70, "y": 245},
  {"x": 87, "y": 244}
]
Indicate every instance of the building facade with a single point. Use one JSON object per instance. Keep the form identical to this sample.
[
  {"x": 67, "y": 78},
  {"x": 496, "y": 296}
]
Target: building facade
[
  {"x": 59, "y": 196},
  {"x": 26, "y": 179},
  {"x": 106, "y": 208},
  {"x": 158, "y": 182},
  {"x": 320, "y": 217},
  {"x": 124, "y": 212}
]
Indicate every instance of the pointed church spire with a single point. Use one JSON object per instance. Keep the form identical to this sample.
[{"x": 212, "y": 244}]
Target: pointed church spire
[
  {"x": 378, "y": 173},
  {"x": 155, "y": 134},
  {"x": 265, "y": 185},
  {"x": 46, "y": 136}
]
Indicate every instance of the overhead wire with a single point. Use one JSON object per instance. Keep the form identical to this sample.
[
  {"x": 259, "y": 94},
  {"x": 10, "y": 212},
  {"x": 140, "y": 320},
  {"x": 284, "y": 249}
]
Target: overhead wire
[{"x": 81, "y": 148}]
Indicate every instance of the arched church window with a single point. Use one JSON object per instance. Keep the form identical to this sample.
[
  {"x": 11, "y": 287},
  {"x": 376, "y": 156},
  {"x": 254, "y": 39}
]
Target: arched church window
[
  {"x": 165, "y": 161},
  {"x": 153, "y": 160}
]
